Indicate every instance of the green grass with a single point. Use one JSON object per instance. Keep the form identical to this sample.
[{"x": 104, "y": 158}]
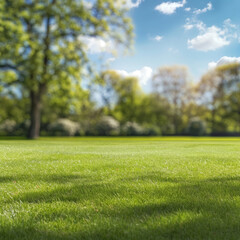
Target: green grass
[{"x": 120, "y": 189}]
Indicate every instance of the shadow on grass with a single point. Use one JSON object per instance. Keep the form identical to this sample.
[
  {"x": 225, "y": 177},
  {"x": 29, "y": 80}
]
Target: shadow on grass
[
  {"x": 48, "y": 178},
  {"x": 4, "y": 179},
  {"x": 12, "y": 138},
  {"x": 126, "y": 209}
]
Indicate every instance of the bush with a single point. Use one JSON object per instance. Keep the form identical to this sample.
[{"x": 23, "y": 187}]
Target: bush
[
  {"x": 152, "y": 131},
  {"x": 107, "y": 126},
  {"x": 8, "y": 127},
  {"x": 22, "y": 128},
  {"x": 64, "y": 127},
  {"x": 168, "y": 129},
  {"x": 132, "y": 129},
  {"x": 196, "y": 127}
]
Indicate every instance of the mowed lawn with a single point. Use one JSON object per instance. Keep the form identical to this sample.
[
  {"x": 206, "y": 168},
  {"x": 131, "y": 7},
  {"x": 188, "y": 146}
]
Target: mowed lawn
[{"x": 120, "y": 189}]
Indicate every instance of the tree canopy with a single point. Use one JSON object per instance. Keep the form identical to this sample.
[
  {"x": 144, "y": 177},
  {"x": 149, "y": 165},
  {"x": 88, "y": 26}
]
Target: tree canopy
[{"x": 43, "y": 43}]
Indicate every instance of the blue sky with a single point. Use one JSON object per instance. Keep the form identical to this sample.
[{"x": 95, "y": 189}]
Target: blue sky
[
  {"x": 177, "y": 31},
  {"x": 196, "y": 33}
]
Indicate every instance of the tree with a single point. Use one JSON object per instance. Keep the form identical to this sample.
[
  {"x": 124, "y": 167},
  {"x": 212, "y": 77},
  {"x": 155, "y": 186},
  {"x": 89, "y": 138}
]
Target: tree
[
  {"x": 42, "y": 42},
  {"x": 171, "y": 83},
  {"x": 208, "y": 95},
  {"x": 154, "y": 111},
  {"x": 219, "y": 91},
  {"x": 230, "y": 85},
  {"x": 121, "y": 96},
  {"x": 106, "y": 84},
  {"x": 129, "y": 99}
]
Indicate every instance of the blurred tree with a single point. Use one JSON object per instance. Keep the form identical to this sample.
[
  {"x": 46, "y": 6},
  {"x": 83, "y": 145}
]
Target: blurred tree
[
  {"x": 130, "y": 96},
  {"x": 172, "y": 83},
  {"x": 61, "y": 101},
  {"x": 13, "y": 108},
  {"x": 154, "y": 110},
  {"x": 209, "y": 96},
  {"x": 42, "y": 42},
  {"x": 219, "y": 92},
  {"x": 106, "y": 85},
  {"x": 121, "y": 96},
  {"x": 230, "y": 89}
]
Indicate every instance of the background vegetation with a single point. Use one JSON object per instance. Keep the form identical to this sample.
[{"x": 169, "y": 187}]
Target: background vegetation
[
  {"x": 114, "y": 105},
  {"x": 48, "y": 85}
]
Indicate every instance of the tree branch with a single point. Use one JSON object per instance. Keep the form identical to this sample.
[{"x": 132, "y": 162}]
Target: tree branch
[{"x": 8, "y": 66}]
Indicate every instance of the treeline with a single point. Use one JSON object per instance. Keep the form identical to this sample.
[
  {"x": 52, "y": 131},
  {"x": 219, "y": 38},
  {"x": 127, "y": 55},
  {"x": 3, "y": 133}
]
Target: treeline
[{"x": 112, "y": 105}]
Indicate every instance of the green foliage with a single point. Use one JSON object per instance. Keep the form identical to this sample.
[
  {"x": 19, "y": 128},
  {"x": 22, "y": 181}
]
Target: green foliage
[
  {"x": 196, "y": 127},
  {"x": 220, "y": 91},
  {"x": 153, "y": 110},
  {"x": 121, "y": 96},
  {"x": 42, "y": 43},
  {"x": 7, "y": 127},
  {"x": 151, "y": 130},
  {"x": 173, "y": 84},
  {"x": 13, "y": 107}
]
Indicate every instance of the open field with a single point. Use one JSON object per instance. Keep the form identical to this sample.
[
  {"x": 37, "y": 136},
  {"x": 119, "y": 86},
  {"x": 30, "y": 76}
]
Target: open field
[{"x": 120, "y": 189}]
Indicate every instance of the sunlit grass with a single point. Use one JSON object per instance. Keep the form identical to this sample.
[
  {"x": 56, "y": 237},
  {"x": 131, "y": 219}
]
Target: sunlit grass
[{"x": 120, "y": 188}]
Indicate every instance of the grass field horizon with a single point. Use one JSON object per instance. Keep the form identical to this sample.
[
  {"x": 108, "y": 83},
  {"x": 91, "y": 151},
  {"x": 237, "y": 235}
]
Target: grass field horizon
[{"x": 120, "y": 188}]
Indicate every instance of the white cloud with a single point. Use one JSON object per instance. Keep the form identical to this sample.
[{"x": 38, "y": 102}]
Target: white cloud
[
  {"x": 87, "y": 5},
  {"x": 193, "y": 23},
  {"x": 170, "y": 7},
  {"x": 204, "y": 10},
  {"x": 201, "y": 26},
  {"x": 110, "y": 60},
  {"x": 96, "y": 45},
  {"x": 135, "y": 4},
  {"x": 224, "y": 60},
  {"x": 158, "y": 38},
  {"x": 188, "y": 26},
  {"x": 128, "y": 3},
  {"x": 144, "y": 74},
  {"x": 212, "y": 39},
  {"x": 228, "y": 24},
  {"x": 187, "y": 9},
  {"x": 231, "y": 30}
]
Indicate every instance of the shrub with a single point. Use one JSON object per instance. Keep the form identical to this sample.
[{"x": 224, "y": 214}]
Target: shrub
[
  {"x": 152, "y": 131},
  {"x": 132, "y": 129},
  {"x": 64, "y": 127},
  {"x": 22, "y": 128},
  {"x": 168, "y": 129},
  {"x": 107, "y": 126},
  {"x": 8, "y": 127},
  {"x": 196, "y": 127}
]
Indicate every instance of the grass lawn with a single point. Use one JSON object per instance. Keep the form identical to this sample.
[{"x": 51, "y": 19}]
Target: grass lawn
[{"x": 120, "y": 189}]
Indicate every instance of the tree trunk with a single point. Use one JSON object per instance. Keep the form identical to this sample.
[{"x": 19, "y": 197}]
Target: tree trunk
[
  {"x": 35, "y": 114},
  {"x": 213, "y": 122},
  {"x": 239, "y": 122},
  {"x": 35, "y": 111}
]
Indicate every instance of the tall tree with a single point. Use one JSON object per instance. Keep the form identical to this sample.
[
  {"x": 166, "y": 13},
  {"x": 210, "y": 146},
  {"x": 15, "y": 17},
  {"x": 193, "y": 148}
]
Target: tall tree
[
  {"x": 219, "y": 91},
  {"x": 171, "y": 83},
  {"x": 44, "y": 41},
  {"x": 230, "y": 85},
  {"x": 121, "y": 96}
]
